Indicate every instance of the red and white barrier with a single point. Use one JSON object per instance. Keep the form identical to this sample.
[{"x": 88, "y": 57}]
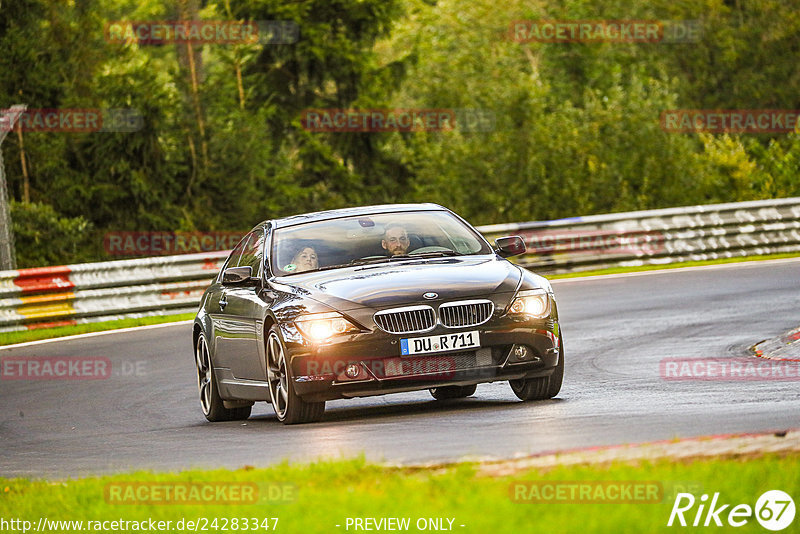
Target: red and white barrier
[{"x": 36, "y": 298}]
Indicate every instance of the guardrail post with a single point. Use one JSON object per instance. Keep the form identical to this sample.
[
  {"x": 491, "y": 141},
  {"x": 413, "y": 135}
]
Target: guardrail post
[{"x": 8, "y": 260}]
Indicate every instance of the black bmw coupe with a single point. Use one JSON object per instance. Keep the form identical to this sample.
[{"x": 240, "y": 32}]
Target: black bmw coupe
[{"x": 367, "y": 301}]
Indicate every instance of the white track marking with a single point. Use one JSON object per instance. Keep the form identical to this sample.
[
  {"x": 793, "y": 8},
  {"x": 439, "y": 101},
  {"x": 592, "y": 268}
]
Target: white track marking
[{"x": 93, "y": 334}]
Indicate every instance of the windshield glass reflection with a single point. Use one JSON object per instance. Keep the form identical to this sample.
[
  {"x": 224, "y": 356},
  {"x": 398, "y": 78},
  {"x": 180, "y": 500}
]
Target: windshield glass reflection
[{"x": 373, "y": 239}]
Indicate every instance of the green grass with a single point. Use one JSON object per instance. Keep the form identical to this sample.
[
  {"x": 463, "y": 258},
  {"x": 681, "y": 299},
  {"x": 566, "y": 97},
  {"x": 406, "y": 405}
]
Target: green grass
[
  {"x": 616, "y": 270},
  {"x": 8, "y": 338},
  {"x": 324, "y": 494}
]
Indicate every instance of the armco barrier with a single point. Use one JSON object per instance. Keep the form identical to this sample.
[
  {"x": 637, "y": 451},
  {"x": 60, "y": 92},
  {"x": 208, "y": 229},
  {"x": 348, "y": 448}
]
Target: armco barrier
[
  {"x": 88, "y": 292},
  {"x": 661, "y": 236},
  {"x": 49, "y": 296}
]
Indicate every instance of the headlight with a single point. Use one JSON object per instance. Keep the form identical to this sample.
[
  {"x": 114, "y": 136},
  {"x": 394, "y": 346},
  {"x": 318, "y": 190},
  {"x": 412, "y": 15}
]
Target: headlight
[
  {"x": 323, "y": 326},
  {"x": 534, "y": 302}
]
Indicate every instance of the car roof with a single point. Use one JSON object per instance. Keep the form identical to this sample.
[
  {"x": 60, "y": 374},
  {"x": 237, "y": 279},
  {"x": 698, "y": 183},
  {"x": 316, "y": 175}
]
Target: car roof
[{"x": 293, "y": 220}]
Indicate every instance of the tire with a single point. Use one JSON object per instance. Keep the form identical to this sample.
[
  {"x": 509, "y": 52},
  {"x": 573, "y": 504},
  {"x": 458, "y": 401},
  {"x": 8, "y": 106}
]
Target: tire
[
  {"x": 210, "y": 401},
  {"x": 289, "y": 408},
  {"x": 453, "y": 392},
  {"x": 542, "y": 388}
]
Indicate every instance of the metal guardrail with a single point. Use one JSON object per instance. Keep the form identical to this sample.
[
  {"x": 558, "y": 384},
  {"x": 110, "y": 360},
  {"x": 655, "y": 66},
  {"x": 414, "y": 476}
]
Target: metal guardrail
[
  {"x": 88, "y": 292},
  {"x": 52, "y": 296},
  {"x": 657, "y": 237}
]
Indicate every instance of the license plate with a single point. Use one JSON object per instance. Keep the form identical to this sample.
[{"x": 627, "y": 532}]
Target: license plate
[{"x": 440, "y": 343}]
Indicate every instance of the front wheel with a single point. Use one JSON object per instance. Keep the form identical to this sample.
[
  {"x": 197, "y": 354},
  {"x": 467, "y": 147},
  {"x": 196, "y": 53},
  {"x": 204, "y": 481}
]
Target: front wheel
[
  {"x": 541, "y": 388},
  {"x": 289, "y": 408},
  {"x": 210, "y": 401},
  {"x": 453, "y": 392}
]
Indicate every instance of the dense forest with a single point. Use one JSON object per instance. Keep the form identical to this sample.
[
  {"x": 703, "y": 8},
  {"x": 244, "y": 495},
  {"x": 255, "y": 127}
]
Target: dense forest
[{"x": 222, "y": 138}]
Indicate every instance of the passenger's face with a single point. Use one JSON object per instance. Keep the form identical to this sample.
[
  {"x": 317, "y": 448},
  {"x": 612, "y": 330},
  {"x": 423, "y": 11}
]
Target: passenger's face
[
  {"x": 306, "y": 260},
  {"x": 395, "y": 241}
]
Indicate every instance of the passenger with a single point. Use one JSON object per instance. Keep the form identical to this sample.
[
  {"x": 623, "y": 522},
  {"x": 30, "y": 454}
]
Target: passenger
[{"x": 304, "y": 260}]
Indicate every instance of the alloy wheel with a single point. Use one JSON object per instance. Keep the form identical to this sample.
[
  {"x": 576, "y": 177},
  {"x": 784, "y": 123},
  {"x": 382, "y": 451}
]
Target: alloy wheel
[
  {"x": 204, "y": 371},
  {"x": 277, "y": 375}
]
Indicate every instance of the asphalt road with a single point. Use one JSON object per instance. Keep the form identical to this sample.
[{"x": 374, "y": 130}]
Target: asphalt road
[{"x": 146, "y": 414}]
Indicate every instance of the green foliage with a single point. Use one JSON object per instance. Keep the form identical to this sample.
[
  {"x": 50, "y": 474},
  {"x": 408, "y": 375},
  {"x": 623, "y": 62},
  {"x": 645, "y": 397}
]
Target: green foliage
[
  {"x": 42, "y": 237},
  {"x": 779, "y": 166}
]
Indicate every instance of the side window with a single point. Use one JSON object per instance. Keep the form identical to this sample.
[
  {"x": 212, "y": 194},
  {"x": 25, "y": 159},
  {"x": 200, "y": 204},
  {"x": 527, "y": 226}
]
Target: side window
[
  {"x": 233, "y": 259},
  {"x": 252, "y": 253}
]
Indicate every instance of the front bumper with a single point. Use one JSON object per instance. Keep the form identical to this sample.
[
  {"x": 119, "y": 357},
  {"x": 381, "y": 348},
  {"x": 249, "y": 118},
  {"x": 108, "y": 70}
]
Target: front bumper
[{"x": 376, "y": 366}]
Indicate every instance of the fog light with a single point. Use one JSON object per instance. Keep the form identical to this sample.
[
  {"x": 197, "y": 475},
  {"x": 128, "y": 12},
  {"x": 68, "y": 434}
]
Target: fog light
[
  {"x": 520, "y": 352},
  {"x": 352, "y": 370}
]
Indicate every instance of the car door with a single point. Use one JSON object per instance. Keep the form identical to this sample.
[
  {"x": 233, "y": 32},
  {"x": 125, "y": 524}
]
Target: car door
[
  {"x": 216, "y": 302},
  {"x": 238, "y": 320}
]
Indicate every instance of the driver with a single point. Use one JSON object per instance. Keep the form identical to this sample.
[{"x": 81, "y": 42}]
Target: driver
[{"x": 395, "y": 239}]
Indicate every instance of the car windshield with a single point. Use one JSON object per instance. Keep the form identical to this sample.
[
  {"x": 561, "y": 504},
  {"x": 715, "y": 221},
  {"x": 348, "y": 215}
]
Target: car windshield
[{"x": 379, "y": 238}]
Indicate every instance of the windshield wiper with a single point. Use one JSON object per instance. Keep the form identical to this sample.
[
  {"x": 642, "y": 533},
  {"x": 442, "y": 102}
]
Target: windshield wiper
[
  {"x": 368, "y": 261},
  {"x": 433, "y": 254},
  {"x": 354, "y": 262}
]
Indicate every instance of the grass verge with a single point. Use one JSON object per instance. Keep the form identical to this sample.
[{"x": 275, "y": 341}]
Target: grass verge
[
  {"x": 8, "y": 338},
  {"x": 320, "y": 497}
]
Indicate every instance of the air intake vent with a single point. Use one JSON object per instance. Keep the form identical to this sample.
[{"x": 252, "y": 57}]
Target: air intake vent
[
  {"x": 406, "y": 320},
  {"x": 465, "y": 313}
]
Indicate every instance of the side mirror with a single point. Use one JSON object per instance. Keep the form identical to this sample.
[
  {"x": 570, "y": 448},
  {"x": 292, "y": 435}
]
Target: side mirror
[
  {"x": 241, "y": 276},
  {"x": 508, "y": 246}
]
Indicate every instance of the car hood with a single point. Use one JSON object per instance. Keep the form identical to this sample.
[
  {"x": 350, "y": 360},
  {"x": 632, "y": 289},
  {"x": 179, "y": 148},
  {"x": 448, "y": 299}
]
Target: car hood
[{"x": 404, "y": 282}]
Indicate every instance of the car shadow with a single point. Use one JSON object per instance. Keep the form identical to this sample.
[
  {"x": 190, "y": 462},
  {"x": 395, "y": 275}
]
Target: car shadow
[{"x": 372, "y": 413}]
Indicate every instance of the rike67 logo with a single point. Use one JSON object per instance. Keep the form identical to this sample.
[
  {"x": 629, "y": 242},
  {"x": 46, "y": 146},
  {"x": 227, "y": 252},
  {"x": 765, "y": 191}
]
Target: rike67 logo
[{"x": 774, "y": 510}]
